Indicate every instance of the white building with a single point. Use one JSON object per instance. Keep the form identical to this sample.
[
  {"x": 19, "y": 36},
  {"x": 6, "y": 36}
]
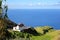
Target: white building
[{"x": 19, "y": 27}]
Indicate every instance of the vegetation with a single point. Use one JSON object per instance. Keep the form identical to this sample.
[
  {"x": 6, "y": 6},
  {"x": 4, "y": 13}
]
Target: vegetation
[
  {"x": 43, "y": 36},
  {"x": 30, "y": 31},
  {"x": 17, "y": 35},
  {"x": 4, "y": 22},
  {"x": 37, "y": 33},
  {"x": 48, "y": 36},
  {"x": 2, "y": 29},
  {"x": 44, "y": 29}
]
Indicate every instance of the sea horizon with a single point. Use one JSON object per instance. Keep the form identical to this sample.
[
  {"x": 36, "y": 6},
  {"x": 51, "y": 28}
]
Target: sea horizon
[{"x": 36, "y": 17}]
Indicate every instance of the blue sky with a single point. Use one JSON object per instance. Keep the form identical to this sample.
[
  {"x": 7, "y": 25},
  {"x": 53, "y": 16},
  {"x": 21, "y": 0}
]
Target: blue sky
[{"x": 34, "y": 4}]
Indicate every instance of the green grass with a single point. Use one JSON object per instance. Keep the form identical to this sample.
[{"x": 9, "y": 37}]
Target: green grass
[
  {"x": 47, "y": 36},
  {"x": 50, "y": 35}
]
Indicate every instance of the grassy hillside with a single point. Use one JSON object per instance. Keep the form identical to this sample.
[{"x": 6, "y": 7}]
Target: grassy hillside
[
  {"x": 48, "y": 36},
  {"x": 51, "y": 35}
]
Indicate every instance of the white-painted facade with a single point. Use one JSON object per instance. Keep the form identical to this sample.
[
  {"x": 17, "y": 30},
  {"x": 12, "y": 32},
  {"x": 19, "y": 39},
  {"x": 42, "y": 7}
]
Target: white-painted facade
[{"x": 18, "y": 28}]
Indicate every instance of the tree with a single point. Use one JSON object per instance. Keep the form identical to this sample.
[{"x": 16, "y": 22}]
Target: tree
[
  {"x": 3, "y": 24},
  {"x": 3, "y": 10},
  {"x": 4, "y": 21}
]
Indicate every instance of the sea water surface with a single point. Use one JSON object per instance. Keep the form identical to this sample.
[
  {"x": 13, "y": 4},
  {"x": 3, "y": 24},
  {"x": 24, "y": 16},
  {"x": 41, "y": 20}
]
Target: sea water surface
[{"x": 36, "y": 17}]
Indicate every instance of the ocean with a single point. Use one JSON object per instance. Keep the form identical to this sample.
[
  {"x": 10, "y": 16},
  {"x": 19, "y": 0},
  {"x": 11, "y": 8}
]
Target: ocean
[{"x": 36, "y": 17}]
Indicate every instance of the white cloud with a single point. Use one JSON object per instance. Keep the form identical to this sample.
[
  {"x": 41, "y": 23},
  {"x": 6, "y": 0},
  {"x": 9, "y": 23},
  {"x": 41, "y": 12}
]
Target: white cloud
[
  {"x": 30, "y": 4},
  {"x": 39, "y": 3},
  {"x": 56, "y": 4},
  {"x": 33, "y": 5}
]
